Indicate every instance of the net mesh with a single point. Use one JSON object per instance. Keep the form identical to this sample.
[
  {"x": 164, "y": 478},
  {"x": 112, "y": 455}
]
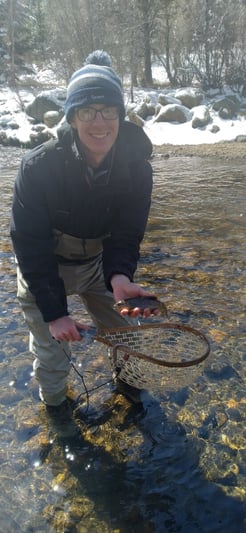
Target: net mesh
[{"x": 156, "y": 356}]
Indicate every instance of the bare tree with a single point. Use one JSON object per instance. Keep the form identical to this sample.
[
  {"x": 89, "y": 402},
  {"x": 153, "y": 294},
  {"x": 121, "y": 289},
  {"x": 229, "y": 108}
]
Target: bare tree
[
  {"x": 201, "y": 39},
  {"x": 213, "y": 39},
  {"x": 168, "y": 40},
  {"x": 15, "y": 36},
  {"x": 145, "y": 10},
  {"x": 11, "y": 34}
]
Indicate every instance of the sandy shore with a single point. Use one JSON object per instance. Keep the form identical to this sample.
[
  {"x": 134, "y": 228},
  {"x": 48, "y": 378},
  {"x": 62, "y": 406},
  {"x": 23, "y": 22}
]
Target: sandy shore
[{"x": 224, "y": 150}]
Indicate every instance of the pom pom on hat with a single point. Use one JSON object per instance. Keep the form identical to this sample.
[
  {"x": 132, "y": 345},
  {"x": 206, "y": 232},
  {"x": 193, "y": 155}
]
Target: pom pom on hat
[
  {"x": 99, "y": 57},
  {"x": 94, "y": 84}
]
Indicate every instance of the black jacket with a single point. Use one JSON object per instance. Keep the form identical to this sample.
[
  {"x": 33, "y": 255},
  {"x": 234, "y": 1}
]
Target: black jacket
[{"x": 52, "y": 192}]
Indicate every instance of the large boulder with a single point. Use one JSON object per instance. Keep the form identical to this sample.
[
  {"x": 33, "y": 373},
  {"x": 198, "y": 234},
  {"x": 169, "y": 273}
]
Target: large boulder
[
  {"x": 226, "y": 106},
  {"x": 173, "y": 113},
  {"x": 226, "y": 113},
  {"x": 46, "y": 101},
  {"x": 144, "y": 109},
  {"x": 241, "y": 138},
  {"x": 201, "y": 116},
  {"x": 189, "y": 97},
  {"x": 165, "y": 99}
]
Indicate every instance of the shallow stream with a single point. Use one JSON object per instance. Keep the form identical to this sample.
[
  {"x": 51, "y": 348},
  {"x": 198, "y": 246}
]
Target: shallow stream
[{"x": 178, "y": 464}]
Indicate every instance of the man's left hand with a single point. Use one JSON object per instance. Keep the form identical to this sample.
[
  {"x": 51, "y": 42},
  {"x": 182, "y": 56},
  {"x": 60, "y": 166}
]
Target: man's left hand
[{"x": 123, "y": 288}]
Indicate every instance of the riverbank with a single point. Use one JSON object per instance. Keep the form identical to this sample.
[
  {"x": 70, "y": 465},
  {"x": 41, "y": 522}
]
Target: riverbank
[
  {"x": 24, "y": 121},
  {"x": 223, "y": 150}
]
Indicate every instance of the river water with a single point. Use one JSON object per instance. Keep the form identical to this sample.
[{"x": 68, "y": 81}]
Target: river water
[{"x": 178, "y": 464}]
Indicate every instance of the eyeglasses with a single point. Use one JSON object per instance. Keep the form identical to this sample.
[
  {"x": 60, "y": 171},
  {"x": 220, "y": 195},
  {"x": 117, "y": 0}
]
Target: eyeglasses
[{"x": 87, "y": 114}]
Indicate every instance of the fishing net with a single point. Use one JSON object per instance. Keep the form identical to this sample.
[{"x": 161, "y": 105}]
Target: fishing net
[{"x": 155, "y": 356}]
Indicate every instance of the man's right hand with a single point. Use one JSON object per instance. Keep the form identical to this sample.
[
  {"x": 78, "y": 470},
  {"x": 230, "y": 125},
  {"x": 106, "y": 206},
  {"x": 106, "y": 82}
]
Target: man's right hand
[{"x": 66, "y": 329}]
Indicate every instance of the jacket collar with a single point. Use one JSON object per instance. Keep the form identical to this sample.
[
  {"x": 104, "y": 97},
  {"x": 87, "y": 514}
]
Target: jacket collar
[{"x": 132, "y": 145}]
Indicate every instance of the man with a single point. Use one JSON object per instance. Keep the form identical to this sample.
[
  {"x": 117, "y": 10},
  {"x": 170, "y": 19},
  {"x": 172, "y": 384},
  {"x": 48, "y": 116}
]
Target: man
[{"x": 79, "y": 213}]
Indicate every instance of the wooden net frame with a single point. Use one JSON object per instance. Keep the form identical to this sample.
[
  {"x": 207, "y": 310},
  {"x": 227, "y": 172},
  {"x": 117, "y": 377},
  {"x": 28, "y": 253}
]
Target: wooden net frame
[{"x": 156, "y": 356}]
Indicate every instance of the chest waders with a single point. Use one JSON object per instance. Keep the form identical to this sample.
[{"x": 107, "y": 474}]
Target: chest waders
[{"x": 80, "y": 267}]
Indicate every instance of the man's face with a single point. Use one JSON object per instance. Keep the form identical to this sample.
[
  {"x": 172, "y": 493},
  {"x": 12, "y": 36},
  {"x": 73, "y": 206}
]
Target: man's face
[{"x": 98, "y": 135}]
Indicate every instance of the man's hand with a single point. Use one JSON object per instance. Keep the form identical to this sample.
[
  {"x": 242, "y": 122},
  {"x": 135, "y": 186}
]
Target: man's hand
[
  {"x": 123, "y": 288},
  {"x": 66, "y": 329}
]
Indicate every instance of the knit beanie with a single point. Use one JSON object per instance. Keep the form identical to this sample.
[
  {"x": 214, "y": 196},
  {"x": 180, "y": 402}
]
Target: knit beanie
[{"x": 94, "y": 84}]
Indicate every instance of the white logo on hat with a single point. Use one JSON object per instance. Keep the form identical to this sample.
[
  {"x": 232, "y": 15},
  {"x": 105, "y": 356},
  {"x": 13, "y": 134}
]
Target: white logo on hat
[{"x": 97, "y": 97}]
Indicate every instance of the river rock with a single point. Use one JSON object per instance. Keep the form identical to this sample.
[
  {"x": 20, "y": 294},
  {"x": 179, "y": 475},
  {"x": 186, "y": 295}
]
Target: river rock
[
  {"x": 135, "y": 118},
  {"x": 8, "y": 140},
  {"x": 144, "y": 109},
  {"x": 173, "y": 113},
  {"x": 225, "y": 113},
  {"x": 39, "y": 136},
  {"x": 46, "y": 101},
  {"x": 165, "y": 99},
  {"x": 150, "y": 109},
  {"x": 8, "y": 121},
  {"x": 215, "y": 128},
  {"x": 52, "y": 118},
  {"x": 241, "y": 138},
  {"x": 226, "y": 106},
  {"x": 189, "y": 97},
  {"x": 201, "y": 116}
]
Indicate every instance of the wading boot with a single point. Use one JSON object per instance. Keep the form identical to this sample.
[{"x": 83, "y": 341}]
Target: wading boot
[{"x": 61, "y": 420}]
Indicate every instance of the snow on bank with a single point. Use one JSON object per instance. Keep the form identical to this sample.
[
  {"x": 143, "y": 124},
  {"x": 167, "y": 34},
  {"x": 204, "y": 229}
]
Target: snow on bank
[
  {"x": 170, "y": 133},
  {"x": 159, "y": 133}
]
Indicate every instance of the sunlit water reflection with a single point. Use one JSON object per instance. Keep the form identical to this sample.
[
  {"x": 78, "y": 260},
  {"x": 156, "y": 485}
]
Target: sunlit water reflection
[{"x": 179, "y": 464}]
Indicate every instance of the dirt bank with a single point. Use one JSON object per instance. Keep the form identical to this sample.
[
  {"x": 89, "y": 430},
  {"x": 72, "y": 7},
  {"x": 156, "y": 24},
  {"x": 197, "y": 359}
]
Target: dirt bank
[{"x": 224, "y": 150}]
